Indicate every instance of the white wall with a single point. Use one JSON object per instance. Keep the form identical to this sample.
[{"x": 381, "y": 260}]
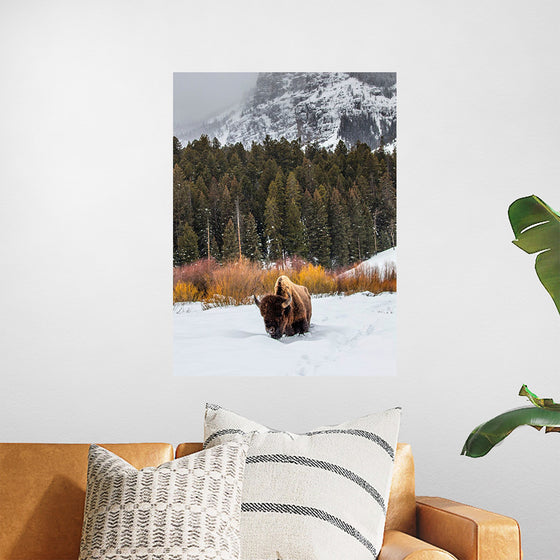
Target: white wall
[{"x": 85, "y": 224}]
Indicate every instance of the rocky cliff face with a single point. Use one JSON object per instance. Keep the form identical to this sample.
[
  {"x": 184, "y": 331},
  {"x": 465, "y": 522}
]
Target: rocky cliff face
[{"x": 322, "y": 108}]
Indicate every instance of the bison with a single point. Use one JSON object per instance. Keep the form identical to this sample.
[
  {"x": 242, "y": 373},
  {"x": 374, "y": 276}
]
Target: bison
[{"x": 287, "y": 311}]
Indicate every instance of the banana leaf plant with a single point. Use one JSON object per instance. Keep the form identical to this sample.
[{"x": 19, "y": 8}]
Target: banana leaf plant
[
  {"x": 543, "y": 413},
  {"x": 537, "y": 230}
]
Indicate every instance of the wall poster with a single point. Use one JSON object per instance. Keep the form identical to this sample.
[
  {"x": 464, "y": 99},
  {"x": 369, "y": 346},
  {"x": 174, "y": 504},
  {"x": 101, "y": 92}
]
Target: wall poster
[{"x": 284, "y": 223}]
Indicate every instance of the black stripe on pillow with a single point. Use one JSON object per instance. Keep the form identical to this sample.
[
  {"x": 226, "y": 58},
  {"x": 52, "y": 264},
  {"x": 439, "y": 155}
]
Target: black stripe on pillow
[
  {"x": 312, "y": 512},
  {"x": 360, "y": 433},
  {"x": 315, "y": 463},
  {"x": 222, "y": 433}
]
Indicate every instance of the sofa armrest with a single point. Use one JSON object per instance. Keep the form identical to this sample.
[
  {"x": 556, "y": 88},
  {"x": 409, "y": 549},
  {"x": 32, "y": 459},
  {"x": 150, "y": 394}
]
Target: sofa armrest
[
  {"x": 401, "y": 546},
  {"x": 468, "y": 533}
]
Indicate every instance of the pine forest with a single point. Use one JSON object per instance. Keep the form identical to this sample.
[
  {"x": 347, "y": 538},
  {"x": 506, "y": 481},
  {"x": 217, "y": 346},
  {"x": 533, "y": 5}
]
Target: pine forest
[{"x": 279, "y": 200}]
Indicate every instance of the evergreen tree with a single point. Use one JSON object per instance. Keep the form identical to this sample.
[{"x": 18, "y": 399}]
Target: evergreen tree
[
  {"x": 234, "y": 187},
  {"x": 214, "y": 206},
  {"x": 176, "y": 150},
  {"x": 268, "y": 173},
  {"x": 339, "y": 229},
  {"x": 258, "y": 202},
  {"x": 388, "y": 204},
  {"x": 200, "y": 185},
  {"x": 318, "y": 233},
  {"x": 356, "y": 237},
  {"x": 294, "y": 242},
  {"x": 230, "y": 249},
  {"x": 340, "y": 152},
  {"x": 375, "y": 218},
  {"x": 250, "y": 239},
  {"x": 201, "y": 223},
  {"x": 368, "y": 192},
  {"x": 293, "y": 190},
  {"x": 187, "y": 247},
  {"x": 293, "y": 233},
  {"x": 306, "y": 217},
  {"x": 180, "y": 204},
  {"x": 272, "y": 229},
  {"x": 367, "y": 224},
  {"x": 307, "y": 175},
  {"x": 361, "y": 239},
  {"x": 278, "y": 189},
  {"x": 214, "y": 248}
]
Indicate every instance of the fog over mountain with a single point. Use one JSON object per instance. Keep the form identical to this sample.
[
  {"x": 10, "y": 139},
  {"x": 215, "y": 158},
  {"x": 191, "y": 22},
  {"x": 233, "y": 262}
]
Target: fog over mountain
[
  {"x": 320, "y": 108},
  {"x": 199, "y": 96}
]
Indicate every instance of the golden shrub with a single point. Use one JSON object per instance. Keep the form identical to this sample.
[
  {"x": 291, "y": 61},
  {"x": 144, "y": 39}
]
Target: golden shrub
[
  {"x": 185, "y": 291},
  {"x": 316, "y": 279},
  {"x": 235, "y": 283},
  {"x": 370, "y": 280}
]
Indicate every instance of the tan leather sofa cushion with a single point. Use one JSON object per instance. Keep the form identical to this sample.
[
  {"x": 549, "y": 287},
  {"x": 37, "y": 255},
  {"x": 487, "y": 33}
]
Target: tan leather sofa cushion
[
  {"x": 401, "y": 511},
  {"x": 187, "y": 448},
  {"x": 42, "y": 492},
  {"x": 400, "y": 546}
]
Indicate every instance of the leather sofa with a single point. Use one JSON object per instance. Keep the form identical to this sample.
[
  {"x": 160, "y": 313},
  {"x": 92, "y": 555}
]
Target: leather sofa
[{"x": 42, "y": 491}]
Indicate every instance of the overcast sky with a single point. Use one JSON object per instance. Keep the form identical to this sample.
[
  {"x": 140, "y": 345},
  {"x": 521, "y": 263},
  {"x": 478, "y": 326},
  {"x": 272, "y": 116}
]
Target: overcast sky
[{"x": 199, "y": 95}]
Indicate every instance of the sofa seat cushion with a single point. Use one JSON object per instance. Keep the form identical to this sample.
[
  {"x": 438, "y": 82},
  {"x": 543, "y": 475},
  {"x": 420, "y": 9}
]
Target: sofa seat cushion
[{"x": 42, "y": 492}]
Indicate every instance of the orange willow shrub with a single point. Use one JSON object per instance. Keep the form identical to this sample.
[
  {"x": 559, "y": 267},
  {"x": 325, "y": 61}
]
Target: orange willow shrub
[
  {"x": 185, "y": 291},
  {"x": 198, "y": 273},
  {"x": 235, "y": 283},
  {"x": 316, "y": 279},
  {"x": 390, "y": 278},
  {"x": 370, "y": 280}
]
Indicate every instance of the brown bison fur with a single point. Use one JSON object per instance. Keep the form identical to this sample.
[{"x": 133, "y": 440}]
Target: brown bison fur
[{"x": 287, "y": 311}]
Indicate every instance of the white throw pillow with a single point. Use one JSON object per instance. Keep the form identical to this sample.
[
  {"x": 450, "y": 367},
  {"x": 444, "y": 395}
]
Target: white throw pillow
[
  {"x": 321, "y": 495},
  {"x": 187, "y": 509}
]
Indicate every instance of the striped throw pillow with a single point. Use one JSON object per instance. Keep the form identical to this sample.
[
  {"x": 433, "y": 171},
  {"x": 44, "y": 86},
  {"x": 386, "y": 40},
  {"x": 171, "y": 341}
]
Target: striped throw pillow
[
  {"x": 321, "y": 495},
  {"x": 187, "y": 509}
]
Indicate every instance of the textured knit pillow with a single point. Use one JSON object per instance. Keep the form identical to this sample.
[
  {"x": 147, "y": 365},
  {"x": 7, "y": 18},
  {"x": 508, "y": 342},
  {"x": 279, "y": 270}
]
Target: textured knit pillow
[
  {"x": 187, "y": 509},
  {"x": 321, "y": 495}
]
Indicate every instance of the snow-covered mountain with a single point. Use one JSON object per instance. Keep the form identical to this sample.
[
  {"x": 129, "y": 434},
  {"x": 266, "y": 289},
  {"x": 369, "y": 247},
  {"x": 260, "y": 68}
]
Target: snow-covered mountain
[{"x": 322, "y": 108}]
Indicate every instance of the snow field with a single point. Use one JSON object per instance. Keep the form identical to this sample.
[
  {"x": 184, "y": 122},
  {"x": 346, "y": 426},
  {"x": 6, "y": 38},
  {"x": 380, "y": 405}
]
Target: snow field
[{"x": 349, "y": 336}]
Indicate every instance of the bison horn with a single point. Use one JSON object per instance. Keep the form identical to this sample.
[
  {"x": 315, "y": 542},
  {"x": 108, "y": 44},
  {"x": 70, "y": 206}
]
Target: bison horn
[
  {"x": 257, "y": 302},
  {"x": 287, "y": 302}
]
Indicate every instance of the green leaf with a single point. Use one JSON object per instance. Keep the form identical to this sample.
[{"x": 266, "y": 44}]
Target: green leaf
[
  {"x": 536, "y": 227},
  {"x": 484, "y": 437},
  {"x": 541, "y": 403}
]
